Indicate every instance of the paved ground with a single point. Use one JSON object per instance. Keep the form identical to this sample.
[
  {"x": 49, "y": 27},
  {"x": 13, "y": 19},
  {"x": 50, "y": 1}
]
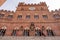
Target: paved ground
[{"x": 28, "y": 38}]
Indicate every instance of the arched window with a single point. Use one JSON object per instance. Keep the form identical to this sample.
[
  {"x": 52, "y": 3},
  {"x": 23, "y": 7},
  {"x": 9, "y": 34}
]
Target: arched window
[
  {"x": 10, "y": 16},
  {"x": 19, "y": 16},
  {"x": 36, "y": 16},
  {"x": 49, "y": 31},
  {"x": 27, "y": 16},
  {"x": 56, "y": 16},
  {"x": 45, "y": 16}
]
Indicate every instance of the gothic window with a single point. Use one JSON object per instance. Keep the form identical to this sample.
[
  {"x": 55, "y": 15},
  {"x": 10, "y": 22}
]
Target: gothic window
[
  {"x": 10, "y": 16},
  {"x": 26, "y": 33},
  {"x": 45, "y": 16},
  {"x": 20, "y": 16},
  {"x": 36, "y": 16},
  {"x": 57, "y": 16},
  {"x": 37, "y": 32},
  {"x": 14, "y": 33},
  {"x": 1, "y": 15},
  {"x": 27, "y": 16},
  {"x": 2, "y": 32}
]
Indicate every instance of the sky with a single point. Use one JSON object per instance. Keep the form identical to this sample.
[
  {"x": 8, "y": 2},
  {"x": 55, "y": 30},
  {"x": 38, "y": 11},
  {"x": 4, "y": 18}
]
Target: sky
[{"x": 12, "y": 4}]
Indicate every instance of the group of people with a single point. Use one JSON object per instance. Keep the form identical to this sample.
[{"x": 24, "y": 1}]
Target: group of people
[{"x": 26, "y": 32}]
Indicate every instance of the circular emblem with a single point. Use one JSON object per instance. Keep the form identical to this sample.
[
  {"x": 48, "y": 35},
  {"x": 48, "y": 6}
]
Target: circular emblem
[{"x": 32, "y": 8}]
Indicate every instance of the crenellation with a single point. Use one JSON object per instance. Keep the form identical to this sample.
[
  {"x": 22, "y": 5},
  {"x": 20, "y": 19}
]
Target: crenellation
[{"x": 41, "y": 4}]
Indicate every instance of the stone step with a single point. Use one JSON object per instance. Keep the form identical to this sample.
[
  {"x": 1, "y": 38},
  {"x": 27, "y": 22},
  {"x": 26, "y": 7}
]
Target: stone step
[{"x": 28, "y": 38}]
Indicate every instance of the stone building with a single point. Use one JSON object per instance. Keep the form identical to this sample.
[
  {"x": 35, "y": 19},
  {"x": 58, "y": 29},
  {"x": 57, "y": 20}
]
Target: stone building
[{"x": 30, "y": 20}]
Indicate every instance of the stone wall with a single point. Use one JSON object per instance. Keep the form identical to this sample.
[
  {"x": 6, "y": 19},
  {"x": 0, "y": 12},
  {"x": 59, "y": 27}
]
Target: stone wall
[{"x": 29, "y": 38}]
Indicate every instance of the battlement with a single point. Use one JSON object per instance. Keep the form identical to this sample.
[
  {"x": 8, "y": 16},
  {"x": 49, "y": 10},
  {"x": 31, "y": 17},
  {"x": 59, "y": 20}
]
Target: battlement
[
  {"x": 41, "y": 4},
  {"x": 55, "y": 10},
  {"x": 6, "y": 11},
  {"x": 2, "y": 1}
]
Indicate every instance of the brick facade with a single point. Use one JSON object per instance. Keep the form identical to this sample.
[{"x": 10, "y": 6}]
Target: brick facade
[{"x": 30, "y": 17}]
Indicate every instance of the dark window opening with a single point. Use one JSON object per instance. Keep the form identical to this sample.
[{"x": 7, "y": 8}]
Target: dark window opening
[
  {"x": 10, "y": 16},
  {"x": 57, "y": 16},
  {"x": 1, "y": 15},
  {"x": 36, "y": 16},
  {"x": 14, "y": 33},
  {"x": 28, "y": 17},
  {"x": 20, "y": 16},
  {"x": 26, "y": 33},
  {"x": 2, "y": 32},
  {"x": 50, "y": 32},
  {"x": 37, "y": 32},
  {"x": 45, "y": 16}
]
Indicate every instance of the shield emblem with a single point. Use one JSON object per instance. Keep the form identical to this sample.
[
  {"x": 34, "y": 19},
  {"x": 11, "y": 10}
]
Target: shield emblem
[{"x": 2, "y": 1}]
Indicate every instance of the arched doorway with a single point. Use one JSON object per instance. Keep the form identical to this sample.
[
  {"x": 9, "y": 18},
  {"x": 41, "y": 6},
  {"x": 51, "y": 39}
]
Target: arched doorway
[
  {"x": 14, "y": 32},
  {"x": 3, "y": 31},
  {"x": 26, "y": 32},
  {"x": 49, "y": 31},
  {"x": 37, "y": 31}
]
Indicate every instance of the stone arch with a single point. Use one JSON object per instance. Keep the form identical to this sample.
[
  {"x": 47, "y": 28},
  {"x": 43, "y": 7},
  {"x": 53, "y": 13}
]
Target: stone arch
[
  {"x": 26, "y": 28},
  {"x": 26, "y": 31},
  {"x": 4, "y": 27},
  {"x": 37, "y": 31},
  {"x": 3, "y": 30},
  {"x": 49, "y": 31},
  {"x": 16, "y": 28},
  {"x": 37, "y": 28},
  {"x": 14, "y": 32}
]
